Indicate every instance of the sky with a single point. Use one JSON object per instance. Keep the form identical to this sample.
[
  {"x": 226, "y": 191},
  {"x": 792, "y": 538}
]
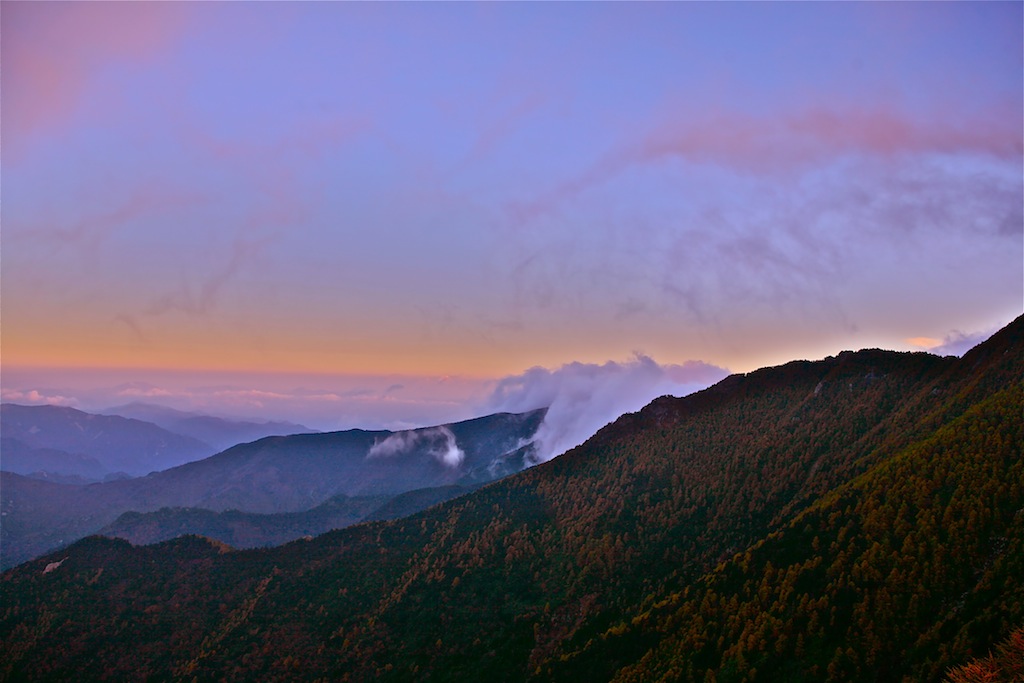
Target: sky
[{"x": 399, "y": 214}]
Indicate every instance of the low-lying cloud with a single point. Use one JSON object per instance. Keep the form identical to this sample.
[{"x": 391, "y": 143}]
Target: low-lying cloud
[
  {"x": 35, "y": 397},
  {"x": 957, "y": 343},
  {"x": 583, "y": 397},
  {"x": 438, "y": 441}
]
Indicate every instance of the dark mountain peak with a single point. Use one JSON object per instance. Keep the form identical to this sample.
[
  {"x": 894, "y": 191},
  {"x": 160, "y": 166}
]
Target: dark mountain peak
[
  {"x": 1008, "y": 340},
  {"x": 849, "y": 371}
]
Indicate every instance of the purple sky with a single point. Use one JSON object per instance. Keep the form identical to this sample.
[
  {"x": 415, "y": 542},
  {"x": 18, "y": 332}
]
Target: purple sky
[{"x": 415, "y": 201}]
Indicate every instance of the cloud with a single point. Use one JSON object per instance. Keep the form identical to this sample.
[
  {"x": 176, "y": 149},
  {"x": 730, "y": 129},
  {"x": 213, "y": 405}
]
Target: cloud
[
  {"x": 957, "y": 343},
  {"x": 924, "y": 342},
  {"x": 200, "y": 302},
  {"x": 499, "y": 130},
  {"x": 53, "y": 51},
  {"x": 793, "y": 140},
  {"x": 35, "y": 397},
  {"x": 308, "y": 138},
  {"x": 196, "y": 301},
  {"x": 583, "y": 397},
  {"x": 819, "y": 133},
  {"x": 439, "y": 442},
  {"x": 719, "y": 249},
  {"x": 144, "y": 392},
  {"x": 87, "y": 231}
]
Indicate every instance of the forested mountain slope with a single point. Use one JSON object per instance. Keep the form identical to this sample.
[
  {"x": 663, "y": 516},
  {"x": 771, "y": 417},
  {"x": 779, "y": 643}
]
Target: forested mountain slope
[
  {"x": 847, "y": 519},
  {"x": 254, "y": 530}
]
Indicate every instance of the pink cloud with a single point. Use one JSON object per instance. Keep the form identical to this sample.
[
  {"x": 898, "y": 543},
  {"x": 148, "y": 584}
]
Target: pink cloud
[
  {"x": 35, "y": 397},
  {"x": 50, "y": 52},
  {"x": 88, "y": 230},
  {"x": 820, "y": 133},
  {"x": 497, "y": 131},
  {"x": 792, "y": 141},
  {"x": 310, "y": 138}
]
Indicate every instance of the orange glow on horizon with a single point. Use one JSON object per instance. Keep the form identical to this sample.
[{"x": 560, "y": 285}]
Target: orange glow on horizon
[{"x": 923, "y": 342}]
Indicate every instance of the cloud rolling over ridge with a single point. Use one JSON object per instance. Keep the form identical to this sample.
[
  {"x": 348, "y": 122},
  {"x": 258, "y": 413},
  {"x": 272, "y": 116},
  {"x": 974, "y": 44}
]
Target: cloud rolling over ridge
[
  {"x": 583, "y": 397},
  {"x": 439, "y": 440}
]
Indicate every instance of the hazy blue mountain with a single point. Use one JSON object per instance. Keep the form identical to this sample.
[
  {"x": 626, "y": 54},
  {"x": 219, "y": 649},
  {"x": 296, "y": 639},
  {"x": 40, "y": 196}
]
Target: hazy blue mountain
[
  {"x": 219, "y": 433},
  {"x": 49, "y": 463},
  {"x": 281, "y": 474},
  {"x": 117, "y": 443}
]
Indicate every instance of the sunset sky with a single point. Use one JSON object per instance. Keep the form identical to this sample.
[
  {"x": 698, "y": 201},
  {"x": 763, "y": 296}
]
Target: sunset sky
[{"x": 420, "y": 202}]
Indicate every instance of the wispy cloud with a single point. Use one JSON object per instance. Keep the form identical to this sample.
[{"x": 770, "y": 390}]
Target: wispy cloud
[
  {"x": 143, "y": 390},
  {"x": 195, "y": 300},
  {"x": 87, "y": 232},
  {"x": 793, "y": 140},
  {"x": 52, "y": 53},
  {"x": 813, "y": 247},
  {"x": 956, "y": 343},
  {"x": 818, "y": 133},
  {"x": 499, "y": 129}
]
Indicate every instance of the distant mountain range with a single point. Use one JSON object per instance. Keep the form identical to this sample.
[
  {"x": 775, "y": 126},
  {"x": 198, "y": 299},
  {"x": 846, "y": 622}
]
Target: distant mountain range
[
  {"x": 65, "y": 445},
  {"x": 218, "y": 433},
  {"x": 64, "y": 441},
  {"x": 855, "y": 518},
  {"x": 283, "y": 474}
]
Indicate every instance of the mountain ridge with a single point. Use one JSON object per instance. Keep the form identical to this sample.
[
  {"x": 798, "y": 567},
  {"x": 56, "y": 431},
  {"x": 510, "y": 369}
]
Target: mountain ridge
[
  {"x": 219, "y": 432},
  {"x": 676, "y": 544},
  {"x": 118, "y": 444},
  {"x": 276, "y": 474}
]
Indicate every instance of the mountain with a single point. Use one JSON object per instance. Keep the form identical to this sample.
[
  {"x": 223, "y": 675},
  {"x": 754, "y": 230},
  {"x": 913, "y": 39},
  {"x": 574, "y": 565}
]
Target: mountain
[
  {"x": 856, "y": 518},
  {"x": 48, "y": 463},
  {"x": 242, "y": 529},
  {"x": 282, "y": 474},
  {"x": 218, "y": 432},
  {"x": 116, "y": 444},
  {"x": 253, "y": 530}
]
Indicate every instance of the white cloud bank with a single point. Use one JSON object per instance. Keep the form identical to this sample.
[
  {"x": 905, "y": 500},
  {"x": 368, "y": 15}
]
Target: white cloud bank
[
  {"x": 583, "y": 397},
  {"x": 439, "y": 441}
]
